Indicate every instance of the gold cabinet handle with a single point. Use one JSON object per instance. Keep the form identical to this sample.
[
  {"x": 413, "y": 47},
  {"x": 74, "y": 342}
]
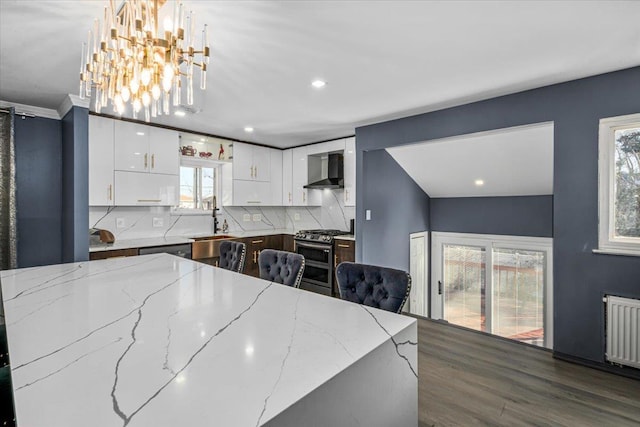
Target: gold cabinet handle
[
  {"x": 255, "y": 255},
  {"x": 304, "y": 196},
  {"x": 110, "y": 192},
  {"x": 346, "y": 194},
  {"x": 153, "y": 161},
  {"x": 150, "y": 200},
  {"x": 257, "y": 241},
  {"x": 335, "y": 261},
  {"x": 145, "y": 160},
  {"x": 256, "y": 169},
  {"x": 289, "y": 196},
  {"x": 216, "y": 263},
  {"x": 343, "y": 246},
  {"x": 251, "y": 171}
]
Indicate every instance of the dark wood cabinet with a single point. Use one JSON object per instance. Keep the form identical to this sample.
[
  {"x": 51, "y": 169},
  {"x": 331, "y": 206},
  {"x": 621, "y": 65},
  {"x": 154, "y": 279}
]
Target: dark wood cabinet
[
  {"x": 255, "y": 245},
  {"x": 113, "y": 254},
  {"x": 343, "y": 250},
  {"x": 288, "y": 243}
]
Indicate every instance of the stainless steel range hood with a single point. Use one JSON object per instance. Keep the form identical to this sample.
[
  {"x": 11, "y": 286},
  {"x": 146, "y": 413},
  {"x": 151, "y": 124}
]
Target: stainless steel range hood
[{"x": 332, "y": 176}]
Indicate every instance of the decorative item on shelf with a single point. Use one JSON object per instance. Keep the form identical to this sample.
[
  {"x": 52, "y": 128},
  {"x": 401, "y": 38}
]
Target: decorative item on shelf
[
  {"x": 128, "y": 58},
  {"x": 188, "y": 151},
  {"x": 221, "y": 153},
  {"x": 205, "y": 155}
]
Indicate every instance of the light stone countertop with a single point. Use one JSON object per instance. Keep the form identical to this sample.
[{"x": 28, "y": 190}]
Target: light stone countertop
[
  {"x": 158, "y": 340},
  {"x": 177, "y": 240}
]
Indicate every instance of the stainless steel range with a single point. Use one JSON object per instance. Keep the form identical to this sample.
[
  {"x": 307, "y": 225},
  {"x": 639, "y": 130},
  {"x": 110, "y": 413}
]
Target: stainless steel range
[{"x": 317, "y": 248}]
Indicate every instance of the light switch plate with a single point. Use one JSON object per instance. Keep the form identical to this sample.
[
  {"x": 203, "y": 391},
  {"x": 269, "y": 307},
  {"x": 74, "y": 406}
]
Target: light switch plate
[
  {"x": 246, "y": 217},
  {"x": 158, "y": 222},
  {"x": 257, "y": 217},
  {"x": 120, "y": 223},
  {"x": 296, "y": 216},
  {"x": 368, "y": 214}
]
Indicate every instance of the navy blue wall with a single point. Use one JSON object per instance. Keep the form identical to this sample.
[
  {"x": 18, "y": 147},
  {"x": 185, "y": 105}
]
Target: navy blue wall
[
  {"x": 39, "y": 190},
  {"x": 387, "y": 194},
  {"x": 515, "y": 216},
  {"x": 581, "y": 277},
  {"x": 75, "y": 185}
]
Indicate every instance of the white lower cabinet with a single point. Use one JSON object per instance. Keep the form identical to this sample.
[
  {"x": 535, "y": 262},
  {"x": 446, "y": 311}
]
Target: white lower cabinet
[{"x": 146, "y": 189}]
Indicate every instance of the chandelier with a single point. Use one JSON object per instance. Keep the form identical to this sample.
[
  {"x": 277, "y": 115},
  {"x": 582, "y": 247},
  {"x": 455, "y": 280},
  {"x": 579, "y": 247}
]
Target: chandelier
[{"x": 128, "y": 60}]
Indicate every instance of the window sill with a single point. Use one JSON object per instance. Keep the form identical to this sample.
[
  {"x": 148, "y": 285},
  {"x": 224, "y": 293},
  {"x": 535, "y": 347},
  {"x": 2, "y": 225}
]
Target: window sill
[{"x": 612, "y": 251}]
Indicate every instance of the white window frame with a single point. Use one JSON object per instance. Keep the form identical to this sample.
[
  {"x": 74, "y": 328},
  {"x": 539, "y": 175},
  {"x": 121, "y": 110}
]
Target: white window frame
[
  {"x": 607, "y": 241},
  {"x": 197, "y": 163},
  {"x": 490, "y": 242}
]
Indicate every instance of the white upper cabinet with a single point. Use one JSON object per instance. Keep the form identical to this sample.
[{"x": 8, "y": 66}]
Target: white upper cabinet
[
  {"x": 299, "y": 171},
  {"x": 300, "y": 177},
  {"x": 146, "y": 189},
  {"x": 131, "y": 147},
  {"x": 141, "y": 148},
  {"x": 101, "y": 186},
  {"x": 163, "y": 151},
  {"x": 251, "y": 162},
  {"x": 242, "y": 161},
  {"x": 276, "y": 177},
  {"x": 287, "y": 183},
  {"x": 350, "y": 172}
]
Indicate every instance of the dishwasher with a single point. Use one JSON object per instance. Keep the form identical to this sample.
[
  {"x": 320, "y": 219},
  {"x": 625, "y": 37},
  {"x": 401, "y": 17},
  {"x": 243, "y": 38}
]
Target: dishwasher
[{"x": 183, "y": 250}]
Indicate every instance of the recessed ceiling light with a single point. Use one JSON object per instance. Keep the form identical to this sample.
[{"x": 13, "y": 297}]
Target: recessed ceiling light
[
  {"x": 318, "y": 83},
  {"x": 479, "y": 182},
  {"x": 202, "y": 139},
  {"x": 248, "y": 129},
  {"x": 140, "y": 133},
  {"x": 180, "y": 113}
]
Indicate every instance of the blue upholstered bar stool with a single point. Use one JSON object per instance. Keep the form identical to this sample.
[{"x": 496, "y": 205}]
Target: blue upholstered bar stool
[
  {"x": 281, "y": 267},
  {"x": 374, "y": 286},
  {"x": 232, "y": 255}
]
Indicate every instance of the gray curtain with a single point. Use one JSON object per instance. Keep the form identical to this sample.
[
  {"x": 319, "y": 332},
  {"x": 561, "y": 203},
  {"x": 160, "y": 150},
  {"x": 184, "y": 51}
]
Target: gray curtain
[{"x": 8, "y": 237}]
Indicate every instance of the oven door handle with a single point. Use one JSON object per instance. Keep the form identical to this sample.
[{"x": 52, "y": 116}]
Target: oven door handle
[{"x": 312, "y": 246}]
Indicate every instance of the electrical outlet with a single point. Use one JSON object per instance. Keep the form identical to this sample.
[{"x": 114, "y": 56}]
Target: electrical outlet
[
  {"x": 257, "y": 217},
  {"x": 368, "y": 214},
  {"x": 158, "y": 222},
  {"x": 120, "y": 223},
  {"x": 246, "y": 217},
  {"x": 296, "y": 216}
]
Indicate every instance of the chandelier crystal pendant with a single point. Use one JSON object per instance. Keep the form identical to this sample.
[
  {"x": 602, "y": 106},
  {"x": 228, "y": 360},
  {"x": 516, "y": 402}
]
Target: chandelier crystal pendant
[{"x": 128, "y": 60}]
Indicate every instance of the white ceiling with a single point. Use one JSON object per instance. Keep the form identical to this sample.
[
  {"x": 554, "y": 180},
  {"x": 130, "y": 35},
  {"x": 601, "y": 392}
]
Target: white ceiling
[
  {"x": 511, "y": 162},
  {"x": 381, "y": 59}
]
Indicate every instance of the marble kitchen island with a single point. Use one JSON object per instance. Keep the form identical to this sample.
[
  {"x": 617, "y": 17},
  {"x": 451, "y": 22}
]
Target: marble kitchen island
[{"x": 158, "y": 340}]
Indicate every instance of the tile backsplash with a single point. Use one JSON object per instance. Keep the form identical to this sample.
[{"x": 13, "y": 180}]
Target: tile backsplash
[{"x": 129, "y": 222}]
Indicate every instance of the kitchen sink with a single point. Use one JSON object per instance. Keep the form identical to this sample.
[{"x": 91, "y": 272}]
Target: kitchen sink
[
  {"x": 214, "y": 237},
  {"x": 207, "y": 247}
]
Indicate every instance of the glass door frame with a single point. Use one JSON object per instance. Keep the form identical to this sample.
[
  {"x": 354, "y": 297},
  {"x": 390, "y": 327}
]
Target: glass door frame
[{"x": 490, "y": 242}]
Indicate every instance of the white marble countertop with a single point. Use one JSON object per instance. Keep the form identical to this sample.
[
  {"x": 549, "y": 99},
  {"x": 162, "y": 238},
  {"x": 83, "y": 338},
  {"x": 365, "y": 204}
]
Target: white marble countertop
[
  {"x": 158, "y": 340},
  {"x": 177, "y": 240},
  {"x": 346, "y": 237}
]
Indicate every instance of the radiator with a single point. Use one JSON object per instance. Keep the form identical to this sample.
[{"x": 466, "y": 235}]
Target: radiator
[{"x": 623, "y": 331}]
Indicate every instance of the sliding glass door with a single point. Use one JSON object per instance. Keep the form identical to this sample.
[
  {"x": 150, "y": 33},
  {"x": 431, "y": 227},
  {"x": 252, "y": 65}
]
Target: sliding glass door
[
  {"x": 496, "y": 284},
  {"x": 464, "y": 285}
]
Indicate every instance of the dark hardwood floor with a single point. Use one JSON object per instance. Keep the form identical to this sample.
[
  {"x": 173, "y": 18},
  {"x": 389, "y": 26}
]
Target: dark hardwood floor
[{"x": 467, "y": 378}]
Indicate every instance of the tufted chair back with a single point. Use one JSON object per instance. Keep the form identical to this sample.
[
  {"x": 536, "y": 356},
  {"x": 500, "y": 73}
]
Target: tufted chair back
[
  {"x": 281, "y": 267},
  {"x": 374, "y": 286},
  {"x": 232, "y": 256}
]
